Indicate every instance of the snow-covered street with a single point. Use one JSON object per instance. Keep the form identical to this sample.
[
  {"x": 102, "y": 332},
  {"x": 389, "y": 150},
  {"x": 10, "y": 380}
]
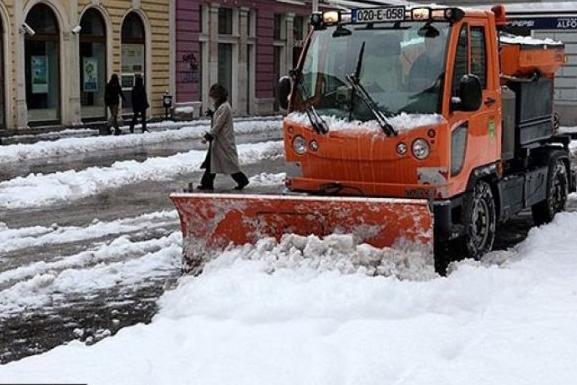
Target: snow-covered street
[
  {"x": 91, "y": 285},
  {"x": 509, "y": 319},
  {"x": 88, "y": 245}
]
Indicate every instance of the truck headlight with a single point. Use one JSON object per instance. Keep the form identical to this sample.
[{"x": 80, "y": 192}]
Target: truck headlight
[
  {"x": 299, "y": 145},
  {"x": 421, "y": 149},
  {"x": 402, "y": 148}
]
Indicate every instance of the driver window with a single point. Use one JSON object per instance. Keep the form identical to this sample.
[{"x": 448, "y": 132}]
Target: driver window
[{"x": 461, "y": 67}]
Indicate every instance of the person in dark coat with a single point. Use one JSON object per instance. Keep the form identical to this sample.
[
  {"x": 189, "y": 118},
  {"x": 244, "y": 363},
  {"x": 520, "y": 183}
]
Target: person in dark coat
[
  {"x": 222, "y": 157},
  {"x": 139, "y": 103},
  {"x": 112, "y": 95}
]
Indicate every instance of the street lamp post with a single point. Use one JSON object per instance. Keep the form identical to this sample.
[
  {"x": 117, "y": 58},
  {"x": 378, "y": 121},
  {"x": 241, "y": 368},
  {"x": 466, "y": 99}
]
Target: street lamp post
[{"x": 315, "y": 5}]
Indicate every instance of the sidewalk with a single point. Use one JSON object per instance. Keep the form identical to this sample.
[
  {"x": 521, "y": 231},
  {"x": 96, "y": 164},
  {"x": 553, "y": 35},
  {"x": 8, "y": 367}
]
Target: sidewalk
[{"x": 98, "y": 129}]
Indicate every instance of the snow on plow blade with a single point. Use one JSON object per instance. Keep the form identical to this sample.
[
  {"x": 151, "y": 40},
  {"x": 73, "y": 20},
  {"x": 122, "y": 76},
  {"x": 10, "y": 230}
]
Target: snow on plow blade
[{"x": 211, "y": 222}]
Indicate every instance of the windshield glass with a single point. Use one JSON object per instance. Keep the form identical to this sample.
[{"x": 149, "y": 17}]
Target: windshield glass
[{"x": 401, "y": 67}]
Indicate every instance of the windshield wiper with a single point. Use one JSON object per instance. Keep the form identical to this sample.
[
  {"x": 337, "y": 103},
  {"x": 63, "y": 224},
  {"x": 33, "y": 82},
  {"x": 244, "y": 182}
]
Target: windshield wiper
[
  {"x": 317, "y": 122},
  {"x": 354, "y": 81}
]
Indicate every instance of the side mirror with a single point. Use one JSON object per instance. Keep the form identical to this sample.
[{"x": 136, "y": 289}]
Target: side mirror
[
  {"x": 283, "y": 91},
  {"x": 470, "y": 94}
]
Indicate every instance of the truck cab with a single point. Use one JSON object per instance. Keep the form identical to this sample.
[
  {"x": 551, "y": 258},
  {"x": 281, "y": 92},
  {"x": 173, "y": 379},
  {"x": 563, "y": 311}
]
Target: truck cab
[{"x": 413, "y": 103}]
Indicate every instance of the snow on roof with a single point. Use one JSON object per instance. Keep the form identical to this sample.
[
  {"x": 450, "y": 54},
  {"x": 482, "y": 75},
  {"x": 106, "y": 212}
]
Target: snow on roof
[{"x": 527, "y": 40}]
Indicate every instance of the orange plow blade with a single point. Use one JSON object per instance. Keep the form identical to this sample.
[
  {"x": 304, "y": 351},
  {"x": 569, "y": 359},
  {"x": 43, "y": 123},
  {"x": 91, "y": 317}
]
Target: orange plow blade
[{"x": 212, "y": 222}]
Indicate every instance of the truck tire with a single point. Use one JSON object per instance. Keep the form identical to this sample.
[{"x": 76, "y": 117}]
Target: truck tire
[
  {"x": 557, "y": 191},
  {"x": 480, "y": 220}
]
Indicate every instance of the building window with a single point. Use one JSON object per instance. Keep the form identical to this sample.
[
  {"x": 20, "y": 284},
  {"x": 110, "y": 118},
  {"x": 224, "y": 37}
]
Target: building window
[
  {"x": 133, "y": 54},
  {"x": 42, "y": 66},
  {"x": 225, "y": 66},
  {"x": 279, "y": 54},
  {"x": 299, "y": 36},
  {"x": 277, "y": 27},
  {"x": 92, "y": 65},
  {"x": 225, "y": 23}
]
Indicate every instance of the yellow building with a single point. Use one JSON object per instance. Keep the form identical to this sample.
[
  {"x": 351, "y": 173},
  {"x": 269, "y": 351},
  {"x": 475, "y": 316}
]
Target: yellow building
[{"x": 56, "y": 56}]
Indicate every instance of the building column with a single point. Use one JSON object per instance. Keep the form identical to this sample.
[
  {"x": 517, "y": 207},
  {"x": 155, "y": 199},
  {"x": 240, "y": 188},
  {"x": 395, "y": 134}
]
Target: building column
[
  {"x": 172, "y": 34},
  {"x": 72, "y": 56},
  {"x": 213, "y": 44},
  {"x": 243, "y": 59},
  {"x": 290, "y": 41},
  {"x": 20, "y": 70}
]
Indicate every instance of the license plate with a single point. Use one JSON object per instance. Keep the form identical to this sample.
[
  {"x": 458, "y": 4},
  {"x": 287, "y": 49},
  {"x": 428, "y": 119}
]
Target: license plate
[{"x": 378, "y": 15}]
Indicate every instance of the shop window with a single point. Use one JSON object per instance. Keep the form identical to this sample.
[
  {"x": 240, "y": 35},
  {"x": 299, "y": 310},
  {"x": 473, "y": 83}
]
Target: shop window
[
  {"x": 133, "y": 55},
  {"x": 92, "y": 65},
  {"x": 42, "y": 66}
]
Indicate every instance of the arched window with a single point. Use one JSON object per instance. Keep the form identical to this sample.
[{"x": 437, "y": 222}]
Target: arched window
[
  {"x": 42, "y": 66},
  {"x": 133, "y": 52},
  {"x": 92, "y": 65}
]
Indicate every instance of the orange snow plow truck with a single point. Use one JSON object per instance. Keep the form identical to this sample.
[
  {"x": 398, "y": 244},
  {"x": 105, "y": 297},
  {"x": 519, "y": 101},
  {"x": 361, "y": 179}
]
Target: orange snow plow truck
[{"x": 412, "y": 128}]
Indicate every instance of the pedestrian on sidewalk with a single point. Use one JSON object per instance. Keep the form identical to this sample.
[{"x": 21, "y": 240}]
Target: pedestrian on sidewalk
[
  {"x": 139, "y": 103},
  {"x": 222, "y": 157},
  {"x": 112, "y": 95}
]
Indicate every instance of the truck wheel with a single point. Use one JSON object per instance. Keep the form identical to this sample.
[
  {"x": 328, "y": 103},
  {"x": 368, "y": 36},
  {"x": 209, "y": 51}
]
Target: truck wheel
[
  {"x": 480, "y": 220},
  {"x": 557, "y": 191}
]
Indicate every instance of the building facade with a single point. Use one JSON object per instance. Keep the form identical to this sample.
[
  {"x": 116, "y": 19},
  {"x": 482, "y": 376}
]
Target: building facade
[
  {"x": 245, "y": 45},
  {"x": 56, "y": 56}
]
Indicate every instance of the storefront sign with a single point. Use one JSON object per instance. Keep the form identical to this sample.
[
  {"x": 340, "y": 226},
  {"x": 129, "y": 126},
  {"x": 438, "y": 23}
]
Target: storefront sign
[
  {"x": 133, "y": 58},
  {"x": 90, "y": 69},
  {"x": 39, "y": 69},
  {"x": 545, "y": 22}
]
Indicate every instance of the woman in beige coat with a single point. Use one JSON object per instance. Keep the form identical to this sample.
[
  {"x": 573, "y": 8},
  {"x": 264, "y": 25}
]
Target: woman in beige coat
[{"x": 222, "y": 157}]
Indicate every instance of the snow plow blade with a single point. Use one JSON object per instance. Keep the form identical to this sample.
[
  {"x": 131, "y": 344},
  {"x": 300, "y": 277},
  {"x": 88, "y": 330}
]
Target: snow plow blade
[{"x": 212, "y": 222}]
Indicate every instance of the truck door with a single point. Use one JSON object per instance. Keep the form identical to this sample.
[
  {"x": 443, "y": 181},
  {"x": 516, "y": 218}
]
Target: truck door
[{"x": 475, "y": 134}]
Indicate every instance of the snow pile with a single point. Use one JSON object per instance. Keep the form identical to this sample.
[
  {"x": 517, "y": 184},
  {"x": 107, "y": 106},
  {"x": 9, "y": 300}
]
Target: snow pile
[
  {"x": 75, "y": 146},
  {"x": 267, "y": 179},
  {"x": 238, "y": 323},
  {"x": 527, "y": 40},
  {"x": 341, "y": 252},
  {"x": 402, "y": 123},
  {"x": 36, "y": 190},
  {"x": 184, "y": 110}
]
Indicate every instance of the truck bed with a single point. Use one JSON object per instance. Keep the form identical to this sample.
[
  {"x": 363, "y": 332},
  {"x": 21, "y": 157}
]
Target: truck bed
[{"x": 524, "y": 55}]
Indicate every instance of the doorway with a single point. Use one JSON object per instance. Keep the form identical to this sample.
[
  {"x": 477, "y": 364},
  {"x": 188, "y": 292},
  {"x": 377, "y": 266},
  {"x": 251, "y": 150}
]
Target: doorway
[
  {"x": 42, "y": 66},
  {"x": 133, "y": 56},
  {"x": 92, "y": 66}
]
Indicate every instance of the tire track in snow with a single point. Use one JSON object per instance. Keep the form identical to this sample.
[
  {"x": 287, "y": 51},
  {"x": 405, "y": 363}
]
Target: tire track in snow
[
  {"x": 42, "y": 236},
  {"x": 121, "y": 263}
]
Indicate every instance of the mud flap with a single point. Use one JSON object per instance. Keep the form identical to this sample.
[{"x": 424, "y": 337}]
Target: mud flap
[{"x": 212, "y": 222}]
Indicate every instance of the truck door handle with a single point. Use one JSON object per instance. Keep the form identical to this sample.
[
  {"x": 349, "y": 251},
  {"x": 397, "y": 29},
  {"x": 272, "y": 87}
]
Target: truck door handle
[{"x": 489, "y": 102}]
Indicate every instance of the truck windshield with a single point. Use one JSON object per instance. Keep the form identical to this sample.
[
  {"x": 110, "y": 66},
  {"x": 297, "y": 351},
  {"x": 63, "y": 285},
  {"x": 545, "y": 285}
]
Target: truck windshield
[{"x": 401, "y": 67}]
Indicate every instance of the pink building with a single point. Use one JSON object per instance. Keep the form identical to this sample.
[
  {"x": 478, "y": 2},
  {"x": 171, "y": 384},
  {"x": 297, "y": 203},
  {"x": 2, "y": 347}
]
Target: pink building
[{"x": 245, "y": 45}]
